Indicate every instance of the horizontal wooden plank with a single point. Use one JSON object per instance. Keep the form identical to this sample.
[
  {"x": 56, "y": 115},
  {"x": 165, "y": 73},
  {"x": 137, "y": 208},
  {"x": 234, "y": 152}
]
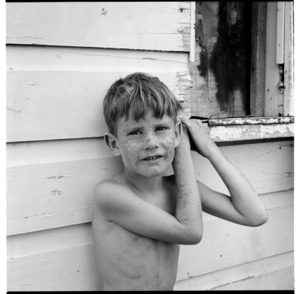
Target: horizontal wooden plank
[
  {"x": 271, "y": 273},
  {"x": 268, "y": 166},
  {"x": 251, "y": 132},
  {"x": 61, "y": 90},
  {"x": 62, "y": 270},
  {"x": 45, "y": 260},
  {"x": 282, "y": 279},
  {"x": 64, "y": 237},
  {"x": 131, "y": 25},
  {"x": 36, "y": 58},
  {"x": 43, "y": 242},
  {"x": 24, "y": 153},
  {"x": 55, "y": 192},
  {"x": 230, "y": 245}
]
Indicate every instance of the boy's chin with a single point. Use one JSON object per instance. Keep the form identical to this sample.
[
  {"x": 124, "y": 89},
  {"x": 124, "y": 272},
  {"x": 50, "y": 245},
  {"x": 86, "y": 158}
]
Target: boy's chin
[
  {"x": 152, "y": 172},
  {"x": 155, "y": 174}
]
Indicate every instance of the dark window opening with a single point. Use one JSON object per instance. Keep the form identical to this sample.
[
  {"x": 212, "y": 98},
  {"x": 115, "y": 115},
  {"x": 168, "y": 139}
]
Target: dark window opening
[{"x": 222, "y": 71}]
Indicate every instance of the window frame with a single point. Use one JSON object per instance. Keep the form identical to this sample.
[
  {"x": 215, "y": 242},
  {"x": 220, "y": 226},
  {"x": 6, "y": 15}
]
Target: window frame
[{"x": 271, "y": 109}]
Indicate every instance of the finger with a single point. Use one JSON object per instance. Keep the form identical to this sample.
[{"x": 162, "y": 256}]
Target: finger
[
  {"x": 184, "y": 128},
  {"x": 196, "y": 122},
  {"x": 185, "y": 120},
  {"x": 199, "y": 122}
]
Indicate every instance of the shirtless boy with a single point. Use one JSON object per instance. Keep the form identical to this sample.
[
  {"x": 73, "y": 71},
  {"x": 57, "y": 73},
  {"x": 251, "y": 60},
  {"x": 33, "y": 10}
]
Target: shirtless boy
[{"x": 141, "y": 216}]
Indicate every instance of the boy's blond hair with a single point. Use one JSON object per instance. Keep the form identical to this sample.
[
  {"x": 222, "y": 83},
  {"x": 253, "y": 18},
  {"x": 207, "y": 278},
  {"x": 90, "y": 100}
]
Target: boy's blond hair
[{"x": 134, "y": 96}]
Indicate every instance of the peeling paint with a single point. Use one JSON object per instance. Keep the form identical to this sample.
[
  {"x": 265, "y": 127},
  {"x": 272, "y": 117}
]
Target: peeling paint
[
  {"x": 14, "y": 110},
  {"x": 34, "y": 84},
  {"x": 181, "y": 88},
  {"x": 182, "y": 9},
  {"x": 184, "y": 30},
  {"x": 185, "y": 41},
  {"x": 56, "y": 192},
  {"x": 250, "y": 121},
  {"x": 251, "y": 132},
  {"x": 104, "y": 12},
  {"x": 55, "y": 177}
]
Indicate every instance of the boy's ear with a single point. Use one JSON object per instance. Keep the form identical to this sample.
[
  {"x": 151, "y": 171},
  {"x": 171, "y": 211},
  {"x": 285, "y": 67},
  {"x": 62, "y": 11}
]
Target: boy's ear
[
  {"x": 111, "y": 142},
  {"x": 178, "y": 131}
]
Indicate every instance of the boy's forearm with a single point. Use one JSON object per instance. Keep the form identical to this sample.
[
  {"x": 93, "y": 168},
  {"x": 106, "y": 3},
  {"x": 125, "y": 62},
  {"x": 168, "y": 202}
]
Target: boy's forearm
[
  {"x": 188, "y": 207},
  {"x": 243, "y": 197}
]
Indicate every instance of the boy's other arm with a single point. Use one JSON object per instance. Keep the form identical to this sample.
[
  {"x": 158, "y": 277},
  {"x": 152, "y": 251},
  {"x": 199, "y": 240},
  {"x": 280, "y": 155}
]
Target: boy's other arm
[{"x": 244, "y": 206}]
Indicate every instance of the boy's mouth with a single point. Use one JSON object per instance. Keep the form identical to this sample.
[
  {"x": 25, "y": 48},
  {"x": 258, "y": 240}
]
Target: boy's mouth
[{"x": 149, "y": 158}]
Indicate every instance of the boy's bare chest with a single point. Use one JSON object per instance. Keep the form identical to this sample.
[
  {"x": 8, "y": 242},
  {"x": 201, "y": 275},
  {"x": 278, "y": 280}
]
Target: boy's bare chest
[
  {"x": 137, "y": 254},
  {"x": 163, "y": 200},
  {"x": 134, "y": 257},
  {"x": 128, "y": 243},
  {"x": 137, "y": 262}
]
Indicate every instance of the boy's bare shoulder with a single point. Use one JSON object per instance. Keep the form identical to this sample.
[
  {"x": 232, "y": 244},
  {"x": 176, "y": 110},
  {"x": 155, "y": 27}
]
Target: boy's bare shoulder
[
  {"x": 107, "y": 194},
  {"x": 105, "y": 184},
  {"x": 111, "y": 190},
  {"x": 107, "y": 187},
  {"x": 108, "y": 183}
]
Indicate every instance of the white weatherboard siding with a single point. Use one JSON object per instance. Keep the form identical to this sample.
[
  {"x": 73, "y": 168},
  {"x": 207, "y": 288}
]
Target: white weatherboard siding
[
  {"x": 271, "y": 273},
  {"x": 62, "y": 258},
  {"x": 128, "y": 25},
  {"x": 59, "y": 191},
  {"x": 62, "y": 89},
  {"x": 61, "y": 59},
  {"x": 57, "y": 251}
]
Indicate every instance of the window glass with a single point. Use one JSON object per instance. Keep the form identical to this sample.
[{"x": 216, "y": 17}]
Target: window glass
[{"x": 221, "y": 71}]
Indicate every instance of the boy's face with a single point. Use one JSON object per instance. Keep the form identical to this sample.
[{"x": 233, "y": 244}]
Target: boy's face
[{"x": 147, "y": 146}]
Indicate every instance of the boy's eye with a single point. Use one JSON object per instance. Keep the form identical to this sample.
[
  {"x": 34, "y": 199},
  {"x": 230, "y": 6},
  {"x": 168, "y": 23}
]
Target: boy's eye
[
  {"x": 135, "y": 133},
  {"x": 161, "y": 128}
]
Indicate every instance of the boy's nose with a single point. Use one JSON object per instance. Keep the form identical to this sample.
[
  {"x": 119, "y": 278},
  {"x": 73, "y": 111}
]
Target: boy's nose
[{"x": 150, "y": 141}]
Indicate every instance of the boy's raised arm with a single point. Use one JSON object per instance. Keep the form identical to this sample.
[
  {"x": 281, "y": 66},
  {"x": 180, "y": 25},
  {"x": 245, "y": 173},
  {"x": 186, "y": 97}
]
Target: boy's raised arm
[
  {"x": 244, "y": 206},
  {"x": 188, "y": 205}
]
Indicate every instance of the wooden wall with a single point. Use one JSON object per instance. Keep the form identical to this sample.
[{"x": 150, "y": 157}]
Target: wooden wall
[{"x": 61, "y": 58}]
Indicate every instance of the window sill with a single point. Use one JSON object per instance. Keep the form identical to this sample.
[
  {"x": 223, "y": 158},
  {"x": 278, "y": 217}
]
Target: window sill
[{"x": 247, "y": 129}]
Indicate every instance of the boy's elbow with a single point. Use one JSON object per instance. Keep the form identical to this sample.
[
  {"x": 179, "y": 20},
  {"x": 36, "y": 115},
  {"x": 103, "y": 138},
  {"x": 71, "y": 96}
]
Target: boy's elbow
[
  {"x": 195, "y": 238},
  {"x": 259, "y": 221},
  {"x": 191, "y": 234},
  {"x": 263, "y": 219}
]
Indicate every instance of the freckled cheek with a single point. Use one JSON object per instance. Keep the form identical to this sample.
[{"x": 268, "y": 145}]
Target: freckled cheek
[
  {"x": 130, "y": 151},
  {"x": 169, "y": 145}
]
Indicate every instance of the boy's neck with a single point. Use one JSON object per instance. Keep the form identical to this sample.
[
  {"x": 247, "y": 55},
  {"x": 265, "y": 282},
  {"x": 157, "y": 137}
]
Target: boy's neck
[{"x": 144, "y": 185}]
